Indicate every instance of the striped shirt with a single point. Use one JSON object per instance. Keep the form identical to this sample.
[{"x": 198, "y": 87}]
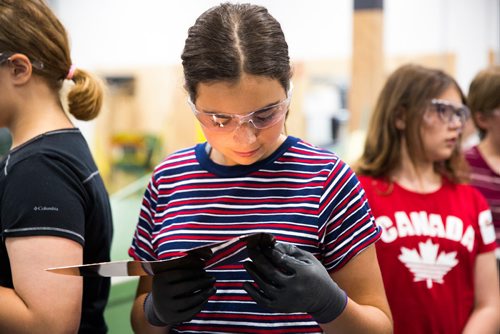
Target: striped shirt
[
  {"x": 487, "y": 181},
  {"x": 301, "y": 194}
]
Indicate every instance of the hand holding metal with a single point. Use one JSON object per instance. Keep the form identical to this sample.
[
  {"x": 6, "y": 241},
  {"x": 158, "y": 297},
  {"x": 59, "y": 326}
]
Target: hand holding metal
[{"x": 289, "y": 279}]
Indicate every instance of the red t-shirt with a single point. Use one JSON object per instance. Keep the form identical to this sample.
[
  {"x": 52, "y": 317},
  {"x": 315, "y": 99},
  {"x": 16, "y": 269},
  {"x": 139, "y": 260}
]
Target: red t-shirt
[{"x": 427, "y": 252}]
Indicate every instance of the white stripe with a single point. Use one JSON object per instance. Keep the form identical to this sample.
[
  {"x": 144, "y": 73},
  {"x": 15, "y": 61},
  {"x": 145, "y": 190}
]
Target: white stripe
[
  {"x": 191, "y": 232},
  {"x": 243, "y": 224},
  {"x": 6, "y": 164},
  {"x": 335, "y": 183},
  {"x": 91, "y": 176},
  {"x": 240, "y": 215},
  {"x": 26, "y": 229},
  {"x": 197, "y": 181},
  {"x": 251, "y": 206},
  {"x": 263, "y": 190},
  {"x": 486, "y": 178},
  {"x": 273, "y": 324}
]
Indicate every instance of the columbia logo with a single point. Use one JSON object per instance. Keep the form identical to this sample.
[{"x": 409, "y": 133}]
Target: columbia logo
[{"x": 45, "y": 208}]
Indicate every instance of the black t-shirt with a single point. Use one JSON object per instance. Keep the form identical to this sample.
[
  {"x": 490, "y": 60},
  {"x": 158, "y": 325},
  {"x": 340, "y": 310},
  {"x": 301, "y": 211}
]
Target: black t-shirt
[{"x": 51, "y": 186}]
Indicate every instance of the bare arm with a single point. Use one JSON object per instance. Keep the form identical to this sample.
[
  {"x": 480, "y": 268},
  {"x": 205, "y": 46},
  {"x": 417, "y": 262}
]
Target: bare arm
[
  {"x": 138, "y": 319},
  {"x": 485, "y": 316},
  {"x": 367, "y": 309},
  {"x": 42, "y": 302}
]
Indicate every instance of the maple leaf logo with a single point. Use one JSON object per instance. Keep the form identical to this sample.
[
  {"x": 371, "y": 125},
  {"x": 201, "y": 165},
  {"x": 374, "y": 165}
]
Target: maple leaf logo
[{"x": 428, "y": 265}]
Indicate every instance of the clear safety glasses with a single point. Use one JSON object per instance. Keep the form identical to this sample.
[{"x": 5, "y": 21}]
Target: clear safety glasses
[
  {"x": 448, "y": 111},
  {"x": 260, "y": 119},
  {"x": 5, "y": 56}
]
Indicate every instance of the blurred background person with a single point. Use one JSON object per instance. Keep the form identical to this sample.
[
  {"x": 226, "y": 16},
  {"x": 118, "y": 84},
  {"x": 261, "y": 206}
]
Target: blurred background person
[
  {"x": 54, "y": 208},
  {"x": 437, "y": 247},
  {"x": 484, "y": 159}
]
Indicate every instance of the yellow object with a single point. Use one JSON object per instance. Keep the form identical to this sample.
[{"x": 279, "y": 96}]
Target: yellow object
[
  {"x": 101, "y": 159},
  {"x": 200, "y": 137}
]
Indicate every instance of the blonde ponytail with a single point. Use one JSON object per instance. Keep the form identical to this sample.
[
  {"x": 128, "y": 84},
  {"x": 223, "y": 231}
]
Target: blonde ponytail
[{"x": 86, "y": 96}]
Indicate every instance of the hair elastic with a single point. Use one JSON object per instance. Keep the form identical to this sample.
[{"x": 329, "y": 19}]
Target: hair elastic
[{"x": 71, "y": 71}]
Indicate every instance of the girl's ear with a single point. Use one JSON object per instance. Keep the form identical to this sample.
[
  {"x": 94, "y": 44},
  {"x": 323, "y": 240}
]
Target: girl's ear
[
  {"x": 20, "y": 68},
  {"x": 482, "y": 120},
  {"x": 400, "y": 122}
]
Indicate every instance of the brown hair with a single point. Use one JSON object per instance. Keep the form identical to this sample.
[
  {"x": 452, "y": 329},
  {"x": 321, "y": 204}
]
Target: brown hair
[
  {"x": 231, "y": 39},
  {"x": 405, "y": 96},
  {"x": 31, "y": 28},
  {"x": 484, "y": 93}
]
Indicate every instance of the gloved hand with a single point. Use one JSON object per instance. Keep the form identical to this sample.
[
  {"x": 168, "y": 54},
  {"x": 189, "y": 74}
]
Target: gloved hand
[
  {"x": 178, "y": 294},
  {"x": 292, "y": 280}
]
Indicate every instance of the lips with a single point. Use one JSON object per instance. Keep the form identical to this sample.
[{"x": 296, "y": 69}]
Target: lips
[
  {"x": 451, "y": 141},
  {"x": 246, "y": 153}
]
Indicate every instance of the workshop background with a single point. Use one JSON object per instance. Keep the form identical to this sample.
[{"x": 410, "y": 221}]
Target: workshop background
[{"x": 341, "y": 51}]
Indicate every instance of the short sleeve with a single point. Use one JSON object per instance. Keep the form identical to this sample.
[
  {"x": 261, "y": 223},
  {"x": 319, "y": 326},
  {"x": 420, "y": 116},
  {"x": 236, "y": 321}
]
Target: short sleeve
[
  {"x": 349, "y": 226},
  {"x": 142, "y": 243},
  {"x": 487, "y": 237},
  {"x": 42, "y": 196}
]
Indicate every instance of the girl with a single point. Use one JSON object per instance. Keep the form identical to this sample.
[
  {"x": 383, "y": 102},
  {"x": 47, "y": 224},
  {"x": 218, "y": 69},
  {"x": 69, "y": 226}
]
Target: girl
[
  {"x": 54, "y": 209},
  {"x": 436, "y": 250},
  {"x": 484, "y": 159},
  {"x": 251, "y": 177}
]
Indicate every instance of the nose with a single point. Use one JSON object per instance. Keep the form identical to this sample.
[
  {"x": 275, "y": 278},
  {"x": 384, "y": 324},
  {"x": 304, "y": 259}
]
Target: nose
[
  {"x": 245, "y": 133},
  {"x": 457, "y": 120}
]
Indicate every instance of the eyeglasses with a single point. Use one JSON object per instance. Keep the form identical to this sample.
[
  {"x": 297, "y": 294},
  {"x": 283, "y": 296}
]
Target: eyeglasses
[
  {"x": 5, "y": 56},
  {"x": 260, "y": 119},
  {"x": 447, "y": 111}
]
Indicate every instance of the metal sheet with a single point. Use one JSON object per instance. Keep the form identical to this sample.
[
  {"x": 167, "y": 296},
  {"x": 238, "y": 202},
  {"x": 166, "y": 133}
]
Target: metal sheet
[{"x": 215, "y": 254}]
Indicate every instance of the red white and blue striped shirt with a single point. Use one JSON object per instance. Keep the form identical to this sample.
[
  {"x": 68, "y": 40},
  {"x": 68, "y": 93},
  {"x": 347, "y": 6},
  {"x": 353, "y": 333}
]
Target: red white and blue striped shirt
[
  {"x": 487, "y": 181},
  {"x": 301, "y": 194}
]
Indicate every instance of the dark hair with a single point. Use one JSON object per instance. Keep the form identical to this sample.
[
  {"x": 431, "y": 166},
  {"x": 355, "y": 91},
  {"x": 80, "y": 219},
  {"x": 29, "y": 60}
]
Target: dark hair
[
  {"x": 405, "y": 96},
  {"x": 230, "y": 40},
  {"x": 484, "y": 94},
  {"x": 31, "y": 28}
]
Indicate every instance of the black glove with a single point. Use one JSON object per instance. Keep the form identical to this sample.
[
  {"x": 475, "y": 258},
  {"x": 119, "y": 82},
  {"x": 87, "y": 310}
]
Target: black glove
[
  {"x": 178, "y": 294},
  {"x": 292, "y": 280}
]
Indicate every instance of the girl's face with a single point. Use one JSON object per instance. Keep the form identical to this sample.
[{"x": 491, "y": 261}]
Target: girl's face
[
  {"x": 442, "y": 125},
  {"x": 236, "y": 140}
]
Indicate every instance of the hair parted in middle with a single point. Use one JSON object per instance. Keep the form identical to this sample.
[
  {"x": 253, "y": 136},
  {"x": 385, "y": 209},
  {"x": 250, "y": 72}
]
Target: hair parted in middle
[
  {"x": 406, "y": 95},
  {"x": 230, "y": 40}
]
